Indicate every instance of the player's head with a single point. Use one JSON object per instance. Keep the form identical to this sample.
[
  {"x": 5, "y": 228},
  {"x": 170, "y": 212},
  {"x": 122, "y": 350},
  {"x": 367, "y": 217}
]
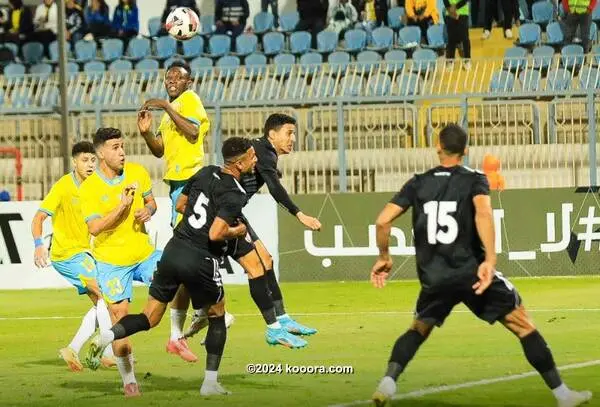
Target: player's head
[
  {"x": 108, "y": 143},
  {"x": 239, "y": 154},
  {"x": 84, "y": 158},
  {"x": 280, "y": 129},
  {"x": 178, "y": 78},
  {"x": 452, "y": 141}
]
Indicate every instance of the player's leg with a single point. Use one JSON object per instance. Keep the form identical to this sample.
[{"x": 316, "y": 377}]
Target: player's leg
[{"x": 284, "y": 319}]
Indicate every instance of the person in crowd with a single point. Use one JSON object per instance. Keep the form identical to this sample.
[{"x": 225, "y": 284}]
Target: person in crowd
[
  {"x": 343, "y": 17},
  {"x": 231, "y": 17},
  {"x": 45, "y": 22},
  {"x": 98, "y": 19},
  {"x": 313, "y": 17},
  {"x": 457, "y": 24},
  {"x": 126, "y": 21},
  {"x": 264, "y": 7},
  {"x": 19, "y": 24},
  {"x": 75, "y": 23},
  {"x": 579, "y": 14},
  {"x": 422, "y": 14},
  {"x": 491, "y": 13}
]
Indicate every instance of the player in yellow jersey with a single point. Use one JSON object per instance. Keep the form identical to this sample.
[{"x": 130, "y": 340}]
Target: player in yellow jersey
[
  {"x": 116, "y": 202},
  {"x": 180, "y": 140},
  {"x": 70, "y": 249}
]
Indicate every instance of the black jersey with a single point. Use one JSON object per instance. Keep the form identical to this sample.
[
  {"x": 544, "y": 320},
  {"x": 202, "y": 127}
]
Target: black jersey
[
  {"x": 448, "y": 248},
  {"x": 211, "y": 193},
  {"x": 266, "y": 172}
]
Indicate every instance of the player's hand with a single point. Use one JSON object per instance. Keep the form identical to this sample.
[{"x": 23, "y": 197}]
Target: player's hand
[
  {"x": 144, "y": 121},
  {"x": 127, "y": 196},
  {"x": 155, "y": 104},
  {"x": 381, "y": 270},
  {"x": 485, "y": 273},
  {"x": 142, "y": 215},
  {"x": 309, "y": 221},
  {"x": 40, "y": 257}
]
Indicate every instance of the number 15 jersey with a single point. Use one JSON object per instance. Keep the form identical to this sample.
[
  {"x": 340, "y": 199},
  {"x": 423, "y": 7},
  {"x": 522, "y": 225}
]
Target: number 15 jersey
[
  {"x": 448, "y": 247},
  {"x": 211, "y": 194}
]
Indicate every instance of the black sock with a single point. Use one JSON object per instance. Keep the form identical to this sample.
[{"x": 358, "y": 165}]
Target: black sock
[
  {"x": 539, "y": 356},
  {"x": 130, "y": 324},
  {"x": 215, "y": 342},
  {"x": 275, "y": 292},
  {"x": 260, "y": 294},
  {"x": 404, "y": 350}
]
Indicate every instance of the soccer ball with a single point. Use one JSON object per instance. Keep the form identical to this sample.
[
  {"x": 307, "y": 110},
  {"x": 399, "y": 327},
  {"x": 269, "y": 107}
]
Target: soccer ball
[{"x": 183, "y": 23}]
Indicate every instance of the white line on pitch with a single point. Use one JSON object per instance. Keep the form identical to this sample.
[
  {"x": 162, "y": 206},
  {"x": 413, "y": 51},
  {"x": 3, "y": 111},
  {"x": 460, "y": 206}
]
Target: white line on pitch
[
  {"x": 323, "y": 314},
  {"x": 466, "y": 385}
]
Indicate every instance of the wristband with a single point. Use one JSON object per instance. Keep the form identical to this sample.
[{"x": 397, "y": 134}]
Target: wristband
[
  {"x": 38, "y": 242},
  {"x": 151, "y": 208}
]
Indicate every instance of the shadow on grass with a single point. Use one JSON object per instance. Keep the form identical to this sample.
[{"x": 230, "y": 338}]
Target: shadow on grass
[{"x": 43, "y": 362}]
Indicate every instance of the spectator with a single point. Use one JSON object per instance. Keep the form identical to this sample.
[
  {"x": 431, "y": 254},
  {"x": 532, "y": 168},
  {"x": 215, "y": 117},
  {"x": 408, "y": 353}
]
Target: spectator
[
  {"x": 422, "y": 13},
  {"x": 381, "y": 11},
  {"x": 75, "y": 23},
  {"x": 19, "y": 25},
  {"x": 264, "y": 6},
  {"x": 457, "y": 25},
  {"x": 46, "y": 22},
  {"x": 97, "y": 19},
  {"x": 579, "y": 14},
  {"x": 126, "y": 21},
  {"x": 172, "y": 5},
  {"x": 343, "y": 17},
  {"x": 313, "y": 17},
  {"x": 491, "y": 12},
  {"x": 4, "y": 196},
  {"x": 231, "y": 16}
]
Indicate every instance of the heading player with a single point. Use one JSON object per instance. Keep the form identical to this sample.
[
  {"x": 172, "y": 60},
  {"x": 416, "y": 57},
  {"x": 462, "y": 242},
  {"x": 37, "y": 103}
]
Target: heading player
[
  {"x": 116, "y": 202},
  {"x": 192, "y": 256},
  {"x": 70, "y": 249},
  {"x": 456, "y": 260}
]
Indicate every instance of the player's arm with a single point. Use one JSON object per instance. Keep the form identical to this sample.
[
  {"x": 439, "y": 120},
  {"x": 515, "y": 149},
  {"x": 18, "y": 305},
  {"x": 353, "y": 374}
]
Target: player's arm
[
  {"x": 221, "y": 230},
  {"x": 153, "y": 141},
  {"x": 40, "y": 256},
  {"x": 145, "y": 214},
  {"x": 383, "y": 226},
  {"x": 181, "y": 203},
  {"x": 188, "y": 127},
  {"x": 230, "y": 206},
  {"x": 484, "y": 222},
  {"x": 98, "y": 224}
]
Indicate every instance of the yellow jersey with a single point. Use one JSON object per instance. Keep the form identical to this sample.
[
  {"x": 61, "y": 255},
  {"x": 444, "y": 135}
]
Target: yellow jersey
[
  {"x": 183, "y": 158},
  {"x": 70, "y": 235},
  {"x": 128, "y": 243}
]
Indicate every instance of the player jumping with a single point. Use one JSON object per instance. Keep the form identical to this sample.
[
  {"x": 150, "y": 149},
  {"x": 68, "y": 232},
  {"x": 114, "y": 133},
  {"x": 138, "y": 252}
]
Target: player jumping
[
  {"x": 116, "y": 201},
  {"x": 191, "y": 258},
  {"x": 456, "y": 259},
  {"x": 70, "y": 249}
]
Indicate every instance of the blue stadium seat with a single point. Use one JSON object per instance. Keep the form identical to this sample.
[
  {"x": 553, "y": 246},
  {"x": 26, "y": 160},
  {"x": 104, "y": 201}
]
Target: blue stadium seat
[
  {"x": 514, "y": 58},
  {"x": 424, "y": 61},
  {"x": 554, "y": 34},
  {"x": 207, "y": 22},
  {"x": 355, "y": 40},
  {"x": 595, "y": 54},
  {"x": 112, "y": 49},
  {"x": 241, "y": 89},
  {"x": 167, "y": 62},
  {"x": 120, "y": 65},
  {"x": 138, "y": 48},
  {"x": 327, "y": 41},
  {"x": 295, "y": 88},
  {"x": 166, "y": 47},
  {"x": 101, "y": 95},
  {"x": 53, "y": 50},
  {"x": 300, "y": 42},
  {"x": 382, "y": 39},
  {"x": 323, "y": 87},
  {"x": 409, "y": 37},
  {"x": 543, "y": 12},
  {"x": 502, "y": 81},
  {"x": 311, "y": 63},
  {"x": 339, "y": 60},
  {"x": 530, "y": 80},
  {"x": 395, "y": 16},
  {"x": 256, "y": 64},
  {"x": 529, "y": 35},
  {"x": 246, "y": 44},
  {"x": 263, "y": 22},
  {"x": 219, "y": 45},
  {"x": 558, "y": 80},
  {"x": 289, "y": 21},
  {"x": 367, "y": 60},
  {"x": 193, "y": 47},
  {"x": 43, "y": 71},
  {"x": 571, "y": 56},
  {"x": 542, "y": 57},
  {"x": 12, "y": 70},
  {"x": 11, "y": 46},
  {"x": 596, "y": 13},
  {"x": 228, "y": 65},
  {"x": 154, "y": 26},
  {"x": 213, "y": 92},
  {"x": 283, "y": 64},
  {"x": 395, "y": 59},
  {"x": 379, "y": 85},
  {"x": 94, "y": 69},
  {"x": 147, "y": 68},
  {"x": 49, "y": 96},
  {"x": 352, "y": 85},
  {"x": 32, "y": 52},
  {"x": 408, "y": 84},
  {"x": 72, "y": 70},
  {"x": 201, "y": 65},
  {"x": 273, "y": 43},
  {"x": 85, "y": 51},
  {"x": 589, "y": 78},
  {"x": 267, "y": 89},
  {"x": 1, "y": 96},
  {"x": 593, "y": 32},
  {"x": 436, "y": 37}
]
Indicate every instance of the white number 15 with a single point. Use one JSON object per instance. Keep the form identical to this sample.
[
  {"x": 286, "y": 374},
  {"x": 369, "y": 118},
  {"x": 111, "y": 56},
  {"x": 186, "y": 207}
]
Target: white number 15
[{"x": 439, "y": 215}]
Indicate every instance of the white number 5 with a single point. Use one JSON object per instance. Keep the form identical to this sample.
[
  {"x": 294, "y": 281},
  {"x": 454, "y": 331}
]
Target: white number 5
[
  {"x": 199, "y": 209},
  {"x": 438, "y": 215}
]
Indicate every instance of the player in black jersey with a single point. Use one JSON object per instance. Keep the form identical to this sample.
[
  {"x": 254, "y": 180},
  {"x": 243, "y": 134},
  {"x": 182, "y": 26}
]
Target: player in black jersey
[
  {"x": 211, "y": 221},
  {"x": 456, "y": 259}
]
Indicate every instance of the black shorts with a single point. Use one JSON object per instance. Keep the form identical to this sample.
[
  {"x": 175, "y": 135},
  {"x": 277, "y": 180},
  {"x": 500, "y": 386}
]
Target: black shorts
[
  {"x": 242, "y": 245},
  {"x": 198, "y": 271},
  {"x": 499, "y": 300}
]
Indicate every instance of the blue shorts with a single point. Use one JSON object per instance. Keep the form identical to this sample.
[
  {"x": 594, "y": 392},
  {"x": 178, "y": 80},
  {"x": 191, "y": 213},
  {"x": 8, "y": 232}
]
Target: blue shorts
[
  {"x": 77, "y": 270},
  {"x": 116, "y": 282},
  {"x": 175, "y": 188}
]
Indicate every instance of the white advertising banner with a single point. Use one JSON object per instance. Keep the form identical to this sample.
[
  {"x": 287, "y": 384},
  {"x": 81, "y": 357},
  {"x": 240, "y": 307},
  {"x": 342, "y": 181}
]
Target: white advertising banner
[{"x": 17, "y": 270}]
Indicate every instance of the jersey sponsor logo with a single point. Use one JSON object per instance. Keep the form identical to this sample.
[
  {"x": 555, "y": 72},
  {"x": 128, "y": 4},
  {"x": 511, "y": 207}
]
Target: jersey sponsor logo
[{"x": 9, "y": 253}]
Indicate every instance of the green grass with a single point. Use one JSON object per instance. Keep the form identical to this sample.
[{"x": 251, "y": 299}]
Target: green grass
[{"x": 357, "y": 326}]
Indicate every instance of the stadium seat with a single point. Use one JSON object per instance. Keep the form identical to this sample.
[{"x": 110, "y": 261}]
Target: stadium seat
[
  {"x": 267, "y": 89},
  {"x": 589, "y": 78},
  {"x": 112, "y": 49},
  {"x": 352, "y": 85},
  {"x": 256, "y": 64},
  {"x": 246, "y": 44},
  {"x": 339, "y": 60},
  {"x": 368, "y": 60},
  {"x": 502, "y": 81},
  {"x": 41, "y": 70},
  {"x": 263, "y": 22},
  {"x": 379, "y": 85},
  {"x": 138, "y": 48},
  {"x": 219, "y": 45},
  {"x": 311, "y": 63},
  {"x": 424, "y": 61},
  {"x": 240, "y": 89},
  {"x": 1, "y": 96},
  {"x": 72, "y": 70},
  {"x": 395, "y": 59},
  {"x": 409, "y": 37},
  {"x": 408, "y": 84},
  {"x": 228, "y": 65},
  {"x": 530, "y": 80},
  {"x": 207, "y": 23},
  {"x": 101, "y": 94},
  {"x": 327, "y": 42},
  {"x": 595, "y": 54},
  {"x": 147, "y": 68},
  {"x": 542, "y": 57},
  {"x": 53, "y": 51},
  {"x": 543, "y": 13},
  {"x": 593, "y": 33},
  {"x": 529, "y": 35},
  {"x": 11, "y": 46},
  {"x": 13, "y": 70},
  {"x": 283, "y": 64},
  {"x": 167, "y": 62},
  {"x": 94, "y": 70},
  {"x": 300, "y": 42},
  {"x": 554, "y": 34},
  {"x": 289, "y": 21},
  {"x": 558, "y": 80},
  {"x": 49, "y": 96},
  {"x": 201, "y": 65},
  {"x": 273, "y": 43},
  {"x": 193, "y": 47},
  {"x": 212, "y": 92},
  {"x": 120, "y": 65},
  {"x": 85, "y": 51},
  {"x": 154, "y": 26},
  {"x": 395, "y": 17},
  {"x": 355, "y": 40},
  {"x": 166, "y": 47},
  {"x": 571, "y": 56},
  {"x": 295, "y": 88},
  {"x": 382, "y": 39},
  {"x": 32, "y": 52},
  {"x": 436, "y": 37},
  {"x": 596, "y": 13},
  {"x": 515, "y": 58},
  {"x": 323, "y": 87}
]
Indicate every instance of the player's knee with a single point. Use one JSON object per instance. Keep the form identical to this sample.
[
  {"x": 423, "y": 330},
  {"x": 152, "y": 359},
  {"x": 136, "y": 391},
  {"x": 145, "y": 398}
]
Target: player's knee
[
  {"x": 422, "y": 328},
  {"x": 216, "y": 310}
]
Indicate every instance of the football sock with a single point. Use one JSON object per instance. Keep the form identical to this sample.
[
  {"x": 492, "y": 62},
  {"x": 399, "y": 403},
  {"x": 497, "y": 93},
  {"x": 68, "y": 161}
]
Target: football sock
[
  {"x": 210, "y": 376},
  {"x": 262, "y": 299},
  {"x": 276, "y": 295},
  {"x": 104, "y": 323},
  {"x": 539, "y": 356},
  {"x": 177, "y": 323},
  {"x": 130, "y": 324},
  {"x": 85, "y": 331},
  {"x": 404, "y": 350},
  {"x": 125, "y": 366},
  {"x": 215, "y": 343}
]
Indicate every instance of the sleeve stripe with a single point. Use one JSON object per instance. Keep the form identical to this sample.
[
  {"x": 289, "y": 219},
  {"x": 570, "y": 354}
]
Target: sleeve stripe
[
  {"x": 92, "y": 217},
  {"x": 193, "y": 120},
  {"x": 46, "y": 211},
  {"x": 147, "y": 193}
]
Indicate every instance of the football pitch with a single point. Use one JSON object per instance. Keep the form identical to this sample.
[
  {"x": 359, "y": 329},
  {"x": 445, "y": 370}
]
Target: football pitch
[{"x": 357, "y": 327}]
